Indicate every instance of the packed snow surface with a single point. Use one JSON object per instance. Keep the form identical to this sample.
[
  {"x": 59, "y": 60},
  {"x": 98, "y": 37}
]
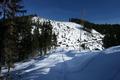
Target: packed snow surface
[{"x": 71, "y": 65}]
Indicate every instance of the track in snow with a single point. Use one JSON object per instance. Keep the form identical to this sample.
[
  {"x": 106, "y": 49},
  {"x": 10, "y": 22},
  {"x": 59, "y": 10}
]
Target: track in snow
[{"x": 67, "y": 65}]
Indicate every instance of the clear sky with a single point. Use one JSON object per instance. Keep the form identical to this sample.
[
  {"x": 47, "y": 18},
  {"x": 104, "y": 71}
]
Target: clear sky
[{"x": 97, "y": 11}]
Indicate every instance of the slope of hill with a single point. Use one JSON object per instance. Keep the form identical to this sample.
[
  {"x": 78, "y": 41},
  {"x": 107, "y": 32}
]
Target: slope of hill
[
  {"x": 72, "y": 36},
  {"x": 67, "y": 62}
]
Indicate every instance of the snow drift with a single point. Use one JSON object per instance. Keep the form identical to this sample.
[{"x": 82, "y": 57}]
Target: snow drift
[{"x": 71, "y": 65}]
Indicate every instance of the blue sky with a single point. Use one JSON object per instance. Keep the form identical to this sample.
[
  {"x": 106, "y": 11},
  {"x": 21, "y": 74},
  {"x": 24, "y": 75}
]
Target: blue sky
[{"x": 97, "y": 11}]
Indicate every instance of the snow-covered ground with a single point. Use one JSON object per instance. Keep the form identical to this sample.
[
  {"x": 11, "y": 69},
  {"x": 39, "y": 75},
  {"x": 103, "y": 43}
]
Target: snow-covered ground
[
  {"x": 71, "y": 35},
  {"x": 71, "y": 65}
]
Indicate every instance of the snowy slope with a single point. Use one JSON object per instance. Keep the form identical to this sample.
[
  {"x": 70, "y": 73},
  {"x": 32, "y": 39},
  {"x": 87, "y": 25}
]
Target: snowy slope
[
  {"x": 71, "y": 35},
  {"x": 71, "y": 65}
]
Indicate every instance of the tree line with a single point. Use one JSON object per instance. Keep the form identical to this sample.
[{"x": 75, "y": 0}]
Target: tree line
[{"x": 111, "y": 31}]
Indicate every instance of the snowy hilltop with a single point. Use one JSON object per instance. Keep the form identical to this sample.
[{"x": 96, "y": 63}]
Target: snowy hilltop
[{"x": 73, "y": 36}]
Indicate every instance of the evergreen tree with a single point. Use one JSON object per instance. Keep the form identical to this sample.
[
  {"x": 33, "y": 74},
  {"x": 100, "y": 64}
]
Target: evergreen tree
[
  {"x": 10, "y": 45},
  {"x": 11, "y": 7},
  {"x": 24, "y": 45},
  {"x": 2, "y": 55},
  {"x": 14, "y": 7},
  {"x": 35, "y": 40}
]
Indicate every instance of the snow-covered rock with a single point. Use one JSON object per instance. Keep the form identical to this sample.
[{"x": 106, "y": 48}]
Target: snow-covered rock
[{"x": 72, "y": 36}]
